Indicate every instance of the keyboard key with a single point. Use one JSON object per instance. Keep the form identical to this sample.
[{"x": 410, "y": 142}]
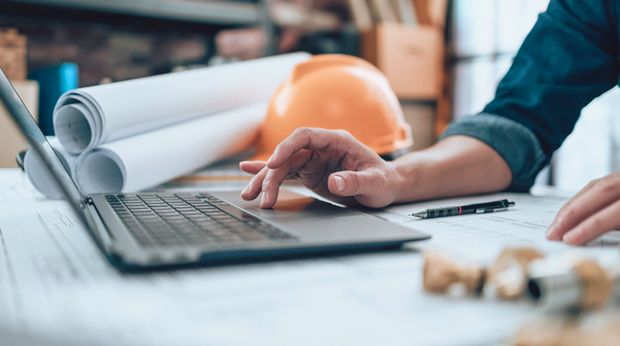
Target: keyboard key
[{"x": 169, "y": 220}]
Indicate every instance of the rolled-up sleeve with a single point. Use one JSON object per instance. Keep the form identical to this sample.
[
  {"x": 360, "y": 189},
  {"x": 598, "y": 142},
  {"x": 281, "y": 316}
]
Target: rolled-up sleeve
[
  {"x": 515, "y": 143},
  {"x": 569, "y": 58}
]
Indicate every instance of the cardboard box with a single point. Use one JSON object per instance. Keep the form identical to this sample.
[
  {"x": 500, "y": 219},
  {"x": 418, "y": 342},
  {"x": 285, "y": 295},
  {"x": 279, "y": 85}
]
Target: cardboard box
[
  {"x": 11, "y": 140},
  {"x": 410, "y": 57}
]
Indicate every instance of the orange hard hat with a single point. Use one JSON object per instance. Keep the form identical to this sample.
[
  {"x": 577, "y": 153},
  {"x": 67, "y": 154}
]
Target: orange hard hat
[{"x": 334, "y": 91}]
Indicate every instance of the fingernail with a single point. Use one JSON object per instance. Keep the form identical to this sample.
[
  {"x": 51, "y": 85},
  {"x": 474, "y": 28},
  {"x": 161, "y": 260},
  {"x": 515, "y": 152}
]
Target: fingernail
[
  {"x": 263, "y": 199},
  {"x": 247, "y": 188},
  {"x": 550, "y": 231},
  {"x": 339, "y": 183}
]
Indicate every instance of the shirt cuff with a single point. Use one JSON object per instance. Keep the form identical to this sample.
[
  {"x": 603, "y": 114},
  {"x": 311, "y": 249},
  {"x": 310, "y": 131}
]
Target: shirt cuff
[{"x": 515, "y": 143}]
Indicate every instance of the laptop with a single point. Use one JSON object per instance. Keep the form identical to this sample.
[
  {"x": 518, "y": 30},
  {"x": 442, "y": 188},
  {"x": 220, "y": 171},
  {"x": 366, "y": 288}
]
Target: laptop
[{"x": 146, "y": 230}]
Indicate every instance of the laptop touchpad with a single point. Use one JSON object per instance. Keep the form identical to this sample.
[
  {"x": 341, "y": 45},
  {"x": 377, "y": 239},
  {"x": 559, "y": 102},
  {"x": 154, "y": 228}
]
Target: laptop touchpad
[{"x": 310, "y": 217}]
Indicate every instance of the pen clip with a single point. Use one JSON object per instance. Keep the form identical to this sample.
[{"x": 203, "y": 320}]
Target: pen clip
[{"x": 489, "y": 210}]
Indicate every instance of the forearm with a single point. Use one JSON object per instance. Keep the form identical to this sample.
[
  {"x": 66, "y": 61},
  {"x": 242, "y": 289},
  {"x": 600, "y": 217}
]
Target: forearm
[{"x": 457, "y": 165}]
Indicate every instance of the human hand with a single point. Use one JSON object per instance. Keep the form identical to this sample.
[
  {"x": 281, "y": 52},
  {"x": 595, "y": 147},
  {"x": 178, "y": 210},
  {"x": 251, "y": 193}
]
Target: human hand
[
  {"x": 593, "y": 211},
  {"x": 332, "y": 163}
]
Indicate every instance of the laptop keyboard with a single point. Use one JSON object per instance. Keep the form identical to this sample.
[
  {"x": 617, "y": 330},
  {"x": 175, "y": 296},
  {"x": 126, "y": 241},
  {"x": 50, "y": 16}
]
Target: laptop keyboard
[{"x": 160, "y": 220}]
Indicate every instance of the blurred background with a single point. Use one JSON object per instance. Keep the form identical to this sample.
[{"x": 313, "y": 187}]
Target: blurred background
[{"x": 443, "y": 58}]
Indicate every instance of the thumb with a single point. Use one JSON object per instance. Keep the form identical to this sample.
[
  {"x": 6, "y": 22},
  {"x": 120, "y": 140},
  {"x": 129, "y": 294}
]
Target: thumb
[{"x": 349, "y": 183}]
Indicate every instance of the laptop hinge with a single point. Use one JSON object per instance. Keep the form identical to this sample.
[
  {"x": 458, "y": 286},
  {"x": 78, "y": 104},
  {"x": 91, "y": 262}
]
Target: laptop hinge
[{"x": 96, "y": 224}]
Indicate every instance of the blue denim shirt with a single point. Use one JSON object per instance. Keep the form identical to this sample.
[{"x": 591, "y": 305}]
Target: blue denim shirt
[{"x": 569, "y": 58}]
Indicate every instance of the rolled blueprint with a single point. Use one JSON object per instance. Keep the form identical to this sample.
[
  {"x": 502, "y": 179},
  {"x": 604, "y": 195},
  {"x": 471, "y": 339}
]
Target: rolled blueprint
[
  {"x": 154, "y": 157},
  {"x": 87, "y": 117},
  {"x": 39, "y": 176}
]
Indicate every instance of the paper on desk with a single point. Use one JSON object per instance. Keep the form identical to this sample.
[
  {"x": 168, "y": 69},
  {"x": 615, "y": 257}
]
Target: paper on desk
[
  {"x": 87, "y": 117},
  {"x": 54, "y": 283},
  {"x": 483, "y": 236}
]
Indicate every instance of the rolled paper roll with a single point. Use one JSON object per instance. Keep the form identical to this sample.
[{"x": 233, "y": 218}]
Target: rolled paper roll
[{"x": 87, "y": 117}]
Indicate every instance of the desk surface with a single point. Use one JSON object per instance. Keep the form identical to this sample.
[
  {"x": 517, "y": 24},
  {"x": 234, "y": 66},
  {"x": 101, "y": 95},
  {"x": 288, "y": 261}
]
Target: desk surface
[{"x": 56, "y": 285}]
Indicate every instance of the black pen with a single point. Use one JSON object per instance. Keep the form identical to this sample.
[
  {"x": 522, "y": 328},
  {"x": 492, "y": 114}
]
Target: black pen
[{"x": 478, "y": 208}]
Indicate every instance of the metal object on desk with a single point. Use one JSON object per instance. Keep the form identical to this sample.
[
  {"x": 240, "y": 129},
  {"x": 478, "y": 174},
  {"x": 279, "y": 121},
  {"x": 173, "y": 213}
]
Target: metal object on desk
[{"x": 572, "y": 282}]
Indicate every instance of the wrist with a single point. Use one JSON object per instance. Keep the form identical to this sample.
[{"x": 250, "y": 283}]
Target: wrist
[{"x": 407, "y": 173}]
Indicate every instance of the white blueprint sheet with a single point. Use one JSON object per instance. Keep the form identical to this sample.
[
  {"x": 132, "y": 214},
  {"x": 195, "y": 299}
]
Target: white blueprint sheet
[
  {"x": 54, "y": 283},
  {"x": 483, "y": 236}
]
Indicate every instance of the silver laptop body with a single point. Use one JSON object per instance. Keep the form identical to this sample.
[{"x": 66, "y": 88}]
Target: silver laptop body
[{"x": 161, "y": 229}]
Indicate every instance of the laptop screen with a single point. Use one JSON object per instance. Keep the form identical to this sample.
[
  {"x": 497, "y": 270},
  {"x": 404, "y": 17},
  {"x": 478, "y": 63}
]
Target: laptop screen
[{"x": 30, "y": 130}]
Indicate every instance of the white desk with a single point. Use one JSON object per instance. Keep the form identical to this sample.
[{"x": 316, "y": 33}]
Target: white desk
[{"x": 56, "y": 285}]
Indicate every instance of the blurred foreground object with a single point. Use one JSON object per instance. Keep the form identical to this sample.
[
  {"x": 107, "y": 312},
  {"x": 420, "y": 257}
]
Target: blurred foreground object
[
  {"x": 560, "y": 331},
  {"x": 573, "y": 282},
  {"x": 334, "y": 92},
  {"x": 13, "y": 54},
  {"x": 441, "y": 272},
  {"x": 507, "y": 275}
]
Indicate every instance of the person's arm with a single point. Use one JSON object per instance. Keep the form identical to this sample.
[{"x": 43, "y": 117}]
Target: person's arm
[
  {"x": 337, "y": 166},
  {"x": 457, "y": 165},
  {"x": 568, "y": 59}
]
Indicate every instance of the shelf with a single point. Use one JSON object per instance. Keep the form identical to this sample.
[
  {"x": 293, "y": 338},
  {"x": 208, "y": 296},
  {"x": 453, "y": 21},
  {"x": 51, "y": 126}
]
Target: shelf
[{"x": 207, "y": 12}]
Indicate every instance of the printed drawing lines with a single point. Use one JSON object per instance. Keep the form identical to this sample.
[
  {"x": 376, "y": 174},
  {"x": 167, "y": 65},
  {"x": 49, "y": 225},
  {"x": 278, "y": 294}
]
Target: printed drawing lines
[{"x": 64, "y": 255}]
